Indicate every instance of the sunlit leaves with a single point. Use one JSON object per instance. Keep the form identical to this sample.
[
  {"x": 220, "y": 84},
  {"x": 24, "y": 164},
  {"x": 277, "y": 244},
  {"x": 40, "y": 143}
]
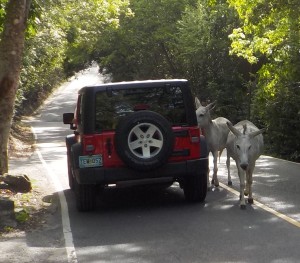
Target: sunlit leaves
[
  {"x": 271, "y": 31},
  {"x": 2, "y": 13},
  {"x": 61, "y": 35},
  {"x": 266, "y": 28},
  {"x": 84, "y": 23},
  {"x": 241, "y": 46}
]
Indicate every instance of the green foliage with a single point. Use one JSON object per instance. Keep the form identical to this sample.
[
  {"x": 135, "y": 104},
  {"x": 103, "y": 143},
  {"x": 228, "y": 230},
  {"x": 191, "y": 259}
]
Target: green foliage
[
  {"x": 22, "y": 216},
  {"x": 58, "y": 43},
  {"x": 204, "y": 53},
  {"x": 2, "y": 13},
  {"x": 6, "y": 229},
  {"x": 144, "y": 45},
  {"x": 84, "y": 30},
  {"x": 281, "y": 114},
  {"x": 43, "y": 58},
  {"x": 270, "y": 31},
  {"x": 244, "y": 54}
]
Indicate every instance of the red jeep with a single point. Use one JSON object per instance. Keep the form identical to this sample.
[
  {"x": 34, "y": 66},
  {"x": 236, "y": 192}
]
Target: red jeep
[{"x": 133, "y": 133}]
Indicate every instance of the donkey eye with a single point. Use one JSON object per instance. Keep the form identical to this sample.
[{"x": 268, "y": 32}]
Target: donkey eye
[
  {"x": 249, "y": 147},
  {"x": 201, "y": 115},
  {"x": 238, "y": 147}
]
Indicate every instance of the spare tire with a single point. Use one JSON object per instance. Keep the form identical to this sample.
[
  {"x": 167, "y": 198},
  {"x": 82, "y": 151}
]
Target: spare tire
[{"x": 144, "y": 140}]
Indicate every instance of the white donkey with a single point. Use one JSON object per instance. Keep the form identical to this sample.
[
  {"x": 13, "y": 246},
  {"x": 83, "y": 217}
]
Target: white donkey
[
  {"x": 244, "y": 145},
  {"x": 215, "y": 132}
]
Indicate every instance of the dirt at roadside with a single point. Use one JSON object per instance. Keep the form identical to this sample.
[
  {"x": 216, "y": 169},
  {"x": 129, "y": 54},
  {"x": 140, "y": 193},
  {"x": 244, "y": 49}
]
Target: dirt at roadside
[
  {"x": 37, "y": 203},
  {"x": 21, "y": 141}
]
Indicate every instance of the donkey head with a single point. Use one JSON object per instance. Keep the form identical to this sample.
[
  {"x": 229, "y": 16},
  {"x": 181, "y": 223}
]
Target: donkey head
[
  {"x": 203, "y": 113},
  {"x": 244, "y": 146}
]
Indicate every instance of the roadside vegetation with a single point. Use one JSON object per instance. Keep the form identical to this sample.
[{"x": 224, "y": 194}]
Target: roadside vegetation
[{"x": 244, "y": 55}]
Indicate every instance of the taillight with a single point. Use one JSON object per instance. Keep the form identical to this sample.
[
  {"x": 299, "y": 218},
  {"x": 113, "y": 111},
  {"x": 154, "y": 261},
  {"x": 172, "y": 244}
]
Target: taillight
[
  {"x": 89, "y": 145},
  {"x": 194, "y": 135}
]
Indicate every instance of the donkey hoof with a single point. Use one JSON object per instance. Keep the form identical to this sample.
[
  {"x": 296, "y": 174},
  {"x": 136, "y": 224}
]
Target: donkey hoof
[
  {"x": 215, "y": 182},
  {"x": 229, "y": 183},
  {"x": 243, "y": 207},
  {"x": 250, "y": 201}
]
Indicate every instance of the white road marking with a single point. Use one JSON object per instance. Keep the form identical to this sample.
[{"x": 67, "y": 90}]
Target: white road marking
[
  {"x": 69, "y": 244},
  {"x": 264, "y": 207}
]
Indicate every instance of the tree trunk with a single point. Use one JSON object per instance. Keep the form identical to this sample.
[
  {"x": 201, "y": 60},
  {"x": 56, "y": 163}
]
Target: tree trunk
[{"x": 11, "y": 50}]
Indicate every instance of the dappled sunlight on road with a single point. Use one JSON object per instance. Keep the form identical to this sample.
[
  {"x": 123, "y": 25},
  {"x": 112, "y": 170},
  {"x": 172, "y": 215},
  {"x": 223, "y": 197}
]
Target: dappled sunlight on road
[
  {"x": 278, "y": 204},
  {"x": 51, "y": 145},
  {"x": 275, "y": 184},
  {"x": 44, "y": 129}
]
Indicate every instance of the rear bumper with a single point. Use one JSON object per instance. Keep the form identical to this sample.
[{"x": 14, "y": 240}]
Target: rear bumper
[{"x": 127, "y": 176}]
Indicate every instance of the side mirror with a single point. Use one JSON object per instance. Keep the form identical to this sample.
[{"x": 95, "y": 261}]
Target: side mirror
[{"x": 68, "y": 118}]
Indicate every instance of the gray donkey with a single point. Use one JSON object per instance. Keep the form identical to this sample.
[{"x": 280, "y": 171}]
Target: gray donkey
[
  {"x": 215, "y": 132},
  {"x": 245, "y": 145}
]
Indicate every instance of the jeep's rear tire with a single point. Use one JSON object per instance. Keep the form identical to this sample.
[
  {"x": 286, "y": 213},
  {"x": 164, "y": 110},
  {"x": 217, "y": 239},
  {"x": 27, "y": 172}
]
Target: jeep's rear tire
[
  {"x": 144, "y": 140},
  {"x": 195, "y": 188},
  {"x": 70, "y": 172},
  {"x": 70, "y": 140},
  {"x": 85, "y": 196}
]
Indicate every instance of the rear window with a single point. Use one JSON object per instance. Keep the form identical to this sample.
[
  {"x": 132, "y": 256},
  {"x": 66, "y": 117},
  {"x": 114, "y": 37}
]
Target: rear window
[{"x": 113, "y": 105}]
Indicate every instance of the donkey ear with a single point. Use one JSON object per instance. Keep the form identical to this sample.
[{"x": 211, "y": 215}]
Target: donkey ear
[
  {"x": 255, "y": 133},
  {"x": 197, "y": 103},
  {"x": 234, "y": 130},
  {"x": 212, "y": 105}
]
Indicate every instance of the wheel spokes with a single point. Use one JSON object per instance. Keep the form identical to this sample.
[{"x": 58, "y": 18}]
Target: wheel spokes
[{"x": 145, "y": 140}]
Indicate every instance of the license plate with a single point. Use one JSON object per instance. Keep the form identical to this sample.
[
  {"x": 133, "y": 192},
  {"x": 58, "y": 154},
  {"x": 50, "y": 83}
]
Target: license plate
[{"x": 90, "y": 161}]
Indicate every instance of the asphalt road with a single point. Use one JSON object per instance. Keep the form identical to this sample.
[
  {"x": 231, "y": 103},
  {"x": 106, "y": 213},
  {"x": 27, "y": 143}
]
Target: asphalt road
[{"x": 157, "y": 226}]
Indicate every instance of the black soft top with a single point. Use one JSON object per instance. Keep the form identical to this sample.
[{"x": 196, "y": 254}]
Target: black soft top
[{"x": 135, "y": 84}]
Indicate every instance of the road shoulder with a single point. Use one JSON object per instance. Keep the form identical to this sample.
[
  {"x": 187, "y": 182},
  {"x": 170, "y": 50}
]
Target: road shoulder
[{"x": 33, "y": 208}]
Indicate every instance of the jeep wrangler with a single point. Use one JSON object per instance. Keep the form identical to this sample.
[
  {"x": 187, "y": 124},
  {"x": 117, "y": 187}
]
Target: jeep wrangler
[{"x": 135, "y": 133}]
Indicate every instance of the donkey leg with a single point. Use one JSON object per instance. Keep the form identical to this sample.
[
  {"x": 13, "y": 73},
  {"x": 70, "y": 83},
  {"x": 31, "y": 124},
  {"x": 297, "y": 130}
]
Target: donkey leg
[
  {"x": 215, "y": 180},
  {"x": 208, "y": 182},
  {"x": 249, "y": 186},
  {"x": 229, "y": 182},
  {"x": 242, "y": 188}
]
